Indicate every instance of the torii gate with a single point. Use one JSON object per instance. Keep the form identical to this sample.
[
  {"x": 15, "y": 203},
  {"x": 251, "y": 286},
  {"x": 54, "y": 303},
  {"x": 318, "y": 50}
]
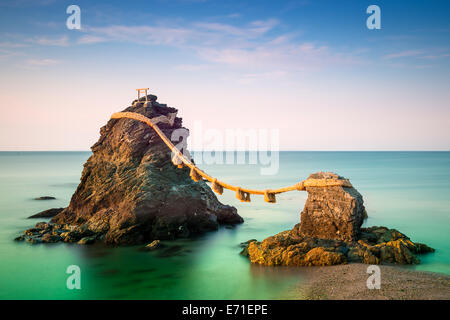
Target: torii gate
[{"x": 142, "y": 90}]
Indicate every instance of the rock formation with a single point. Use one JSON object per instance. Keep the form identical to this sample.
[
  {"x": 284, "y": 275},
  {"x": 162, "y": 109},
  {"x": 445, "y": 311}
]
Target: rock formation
[
  {"x": 334, "y": 212},
  {"x": 330, "y": 233},
  {"x": 45, "y": 198},
  {"x": 49, "y": 213},
  {"x": 130, "y": 191}
]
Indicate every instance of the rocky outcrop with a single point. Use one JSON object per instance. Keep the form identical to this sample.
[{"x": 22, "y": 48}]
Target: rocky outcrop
[
  {"x": 130, "y": 192},
  {"x": 376, "y": 245},
  {"x": 330, "y": 233},
  {"x": 45, "y": 198},
  {"x": 334, "y": 212},
  {"x": 49, "y": 213}
]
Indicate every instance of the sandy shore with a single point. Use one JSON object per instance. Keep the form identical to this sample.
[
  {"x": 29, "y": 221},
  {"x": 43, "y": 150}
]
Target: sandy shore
[{"x": 349, "y": 282}]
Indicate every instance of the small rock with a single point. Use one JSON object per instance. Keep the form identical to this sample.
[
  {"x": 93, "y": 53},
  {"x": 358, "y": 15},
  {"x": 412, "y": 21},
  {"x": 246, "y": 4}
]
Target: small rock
[
  {"x": 71, "y": 236},
  {"x": 155, "y": 244},
  {"x": 246, "y": 243},
  {"x": 20, "y": 238},
  {"x": 244, "y": 252},
  {"x": 45, "y": 198},
  {"x": 83, "y": 231},
  {"x": 33, "y": 240},
  {"x": 423, "y": 248},
  {"x": 50, "y": 238},
  {"x": 43, "y": 226},
  {"x": 47, "y": 213},
  {"x": 87, "y": 240},
  {"x": 30, "y": 232}
]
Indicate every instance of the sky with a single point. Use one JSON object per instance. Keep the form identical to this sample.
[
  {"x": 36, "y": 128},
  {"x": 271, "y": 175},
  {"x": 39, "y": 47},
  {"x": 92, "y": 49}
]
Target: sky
[{"x": 310, "y": 69}]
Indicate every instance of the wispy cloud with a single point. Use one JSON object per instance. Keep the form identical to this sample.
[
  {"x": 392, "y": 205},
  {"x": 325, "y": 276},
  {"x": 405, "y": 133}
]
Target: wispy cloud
[
  {"x": 247, "y": 45},
  {"x": 403, "y": 54},
  {"x": 252, "y": 30},
  {"x": 62, "y": 41},
  {"x": 25, "y": 3},
  {"x": 254, "y": 48},
  {"x": 90, "y": 39},
  {"x": 191, "y": 67},
  {"x": 19, "y": 41},
  {"x": 11, "y": 45},
  {"x": 249, "y": 78},
  {"x": 288, "y": 56},
  {"x": 436, "y": 56},
  {"x": 6, "y": 54},
  {"x": 146, "y": 35},
  {"x": 418, "y": 54},
  {"x": 41, "y": 62},
  {"x": 234, "y": 15},
  {"x": 200, "y": 33}
]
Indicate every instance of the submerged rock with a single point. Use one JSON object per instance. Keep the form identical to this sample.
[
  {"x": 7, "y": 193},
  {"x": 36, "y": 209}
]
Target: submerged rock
[
  {"x": 155, "y": 244},
  {"x": 330, "y": 233},
  {"x": 20, "y": 238},
  {"x": 130, "y": 192},
  {"x": 86, "y": 240},
  {"x": 45, "y": 198},
  {"x": 50, "y": 238},
  {"x": 50, "y": 213}
]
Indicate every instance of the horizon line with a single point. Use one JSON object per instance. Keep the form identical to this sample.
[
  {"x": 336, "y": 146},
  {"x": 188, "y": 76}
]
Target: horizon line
[{"x": 381, "y": 150}]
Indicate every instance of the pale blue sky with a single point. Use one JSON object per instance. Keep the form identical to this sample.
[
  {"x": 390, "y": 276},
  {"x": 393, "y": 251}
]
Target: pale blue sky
[{"x": 308, "y": 68}]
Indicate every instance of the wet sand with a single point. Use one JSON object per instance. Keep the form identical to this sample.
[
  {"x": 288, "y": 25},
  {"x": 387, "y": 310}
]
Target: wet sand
[{"x": 348, "y": 282}]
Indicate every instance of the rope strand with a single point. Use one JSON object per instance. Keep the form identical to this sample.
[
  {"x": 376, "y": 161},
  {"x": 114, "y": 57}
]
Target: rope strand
[{"x": 242, "y": 194}]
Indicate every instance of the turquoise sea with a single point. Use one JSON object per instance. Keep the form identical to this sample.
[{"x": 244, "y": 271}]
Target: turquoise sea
[{"x": 409, "y": 191}]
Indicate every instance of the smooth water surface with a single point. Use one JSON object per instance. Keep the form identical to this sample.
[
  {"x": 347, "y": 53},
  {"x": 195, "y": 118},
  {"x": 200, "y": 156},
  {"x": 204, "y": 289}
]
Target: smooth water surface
[{"x": 408, "y": 191}]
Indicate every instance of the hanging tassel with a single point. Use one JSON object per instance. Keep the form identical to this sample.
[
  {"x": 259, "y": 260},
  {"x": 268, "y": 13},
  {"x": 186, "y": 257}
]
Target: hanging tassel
[
  {"x": 243, "y": 196},
  {"x": 269, "y": 197},
  {"x": 177, "y": 161},
  {"x": 217, "y": 187},
  {"x": 240, "y": 194},
  {"x": 300, "y": 186},
  {"x": 195, "y": 175}
]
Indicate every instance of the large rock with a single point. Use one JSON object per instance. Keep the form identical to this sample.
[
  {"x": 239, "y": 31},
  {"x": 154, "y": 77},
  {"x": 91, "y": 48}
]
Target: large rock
[
  {"x": 130, "y": 192},
  {"x": 330, "y": 233},
  {"x": 376, "y": 245},
  {"x": 333, "y": 212}
]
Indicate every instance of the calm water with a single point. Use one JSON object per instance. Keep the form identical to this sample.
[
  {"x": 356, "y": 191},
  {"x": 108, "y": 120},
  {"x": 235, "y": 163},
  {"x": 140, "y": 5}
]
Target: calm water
[{"x": 404, "y": 190}]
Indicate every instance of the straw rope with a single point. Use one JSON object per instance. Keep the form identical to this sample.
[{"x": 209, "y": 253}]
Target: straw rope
[{"x": 242, "y": 194}]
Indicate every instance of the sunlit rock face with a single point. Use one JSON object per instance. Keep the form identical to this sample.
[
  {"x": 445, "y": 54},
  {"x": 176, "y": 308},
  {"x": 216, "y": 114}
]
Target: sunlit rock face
[
  {"x": 130, "y": 191},
  {"x": 376, "y": 245},
  {"x": 333, "y": 212},
  {"x": 330, "y": 233}
]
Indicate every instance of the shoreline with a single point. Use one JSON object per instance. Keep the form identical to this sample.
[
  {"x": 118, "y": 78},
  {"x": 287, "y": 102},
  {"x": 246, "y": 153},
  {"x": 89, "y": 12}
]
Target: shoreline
[{"x": 348, "y": 282}]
